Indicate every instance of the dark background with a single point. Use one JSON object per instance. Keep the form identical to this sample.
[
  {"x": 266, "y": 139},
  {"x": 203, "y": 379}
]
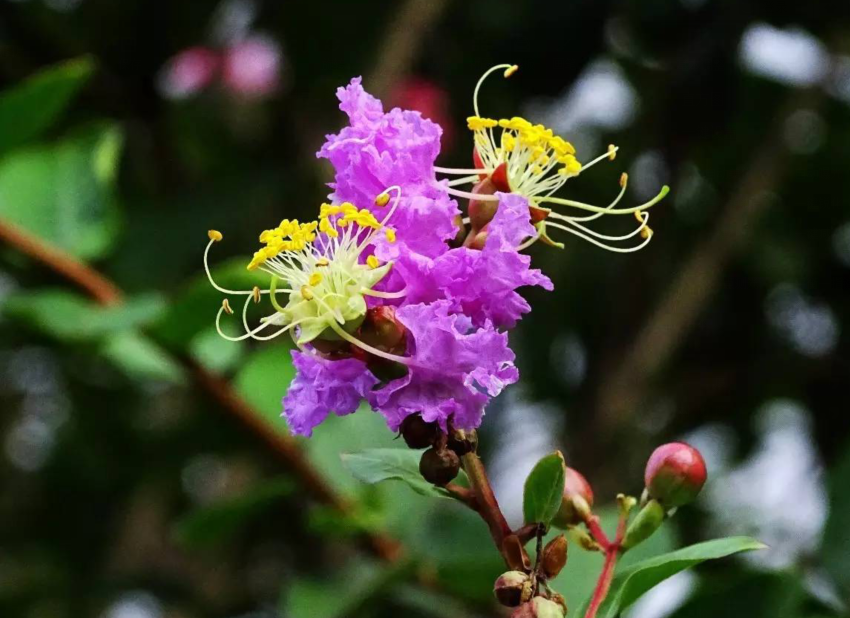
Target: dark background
[{"x": 127, "y": 490}]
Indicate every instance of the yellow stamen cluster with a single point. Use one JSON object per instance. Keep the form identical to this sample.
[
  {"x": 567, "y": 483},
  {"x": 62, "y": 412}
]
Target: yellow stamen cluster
[
  {"x": 350, "y": 214},
  {"x": 537, "y": 145},
  {"x": 288, "y": 236}
]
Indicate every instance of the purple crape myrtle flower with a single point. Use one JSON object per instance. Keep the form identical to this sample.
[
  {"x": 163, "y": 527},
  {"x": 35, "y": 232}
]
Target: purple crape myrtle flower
[
  {"x": 324, "y": 386},
  {"x": 454, "y": 372},
  {"x": 482, "y": 283},
  {"x": 397, "y": 148}
]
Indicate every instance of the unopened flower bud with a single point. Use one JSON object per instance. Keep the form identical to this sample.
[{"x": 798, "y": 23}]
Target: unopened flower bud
[
  {"x": 577, "y": 500},
  {"x": 539, "y": 607},
  {"x": 481, "y": 212},
  {"x": 381, "y": 329},
  {"x": 439, "y": 466},
  {"x": 509, "y": 587},
  {"x": 554, "y": 556},
  {"x": 417, "y": 433},
  {"x": 463, "y": 442},
  {"x": 647, "y": 521},
  {"x": 675, "y": 474},
  {"x": 476, "y": 239}
]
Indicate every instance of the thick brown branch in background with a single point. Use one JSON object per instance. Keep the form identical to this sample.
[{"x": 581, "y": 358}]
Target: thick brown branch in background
[
  {"x": 93, "y": 283},
  {"x": 285, "y": 447},
  {"x": 667, "y": 327},
  {"x": 402, "y": 42}
]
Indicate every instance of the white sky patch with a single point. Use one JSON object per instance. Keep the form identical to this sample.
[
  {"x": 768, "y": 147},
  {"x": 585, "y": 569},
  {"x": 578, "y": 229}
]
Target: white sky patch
[
  {"x": 528, "y": 431},
  {"x": 791, "y": 56},
  {"x": 665, "y": 598},
  {"x": 778, "y": 495},
  {"x": 601, "y": 97}
]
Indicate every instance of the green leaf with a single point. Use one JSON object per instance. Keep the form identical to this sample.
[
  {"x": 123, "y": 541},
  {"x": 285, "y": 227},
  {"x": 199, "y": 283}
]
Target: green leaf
[
  {"x": 631, "y": 583},
  {"x": 263, "y": 381},
  {"x": 140, "y": 358},
  {"x": 32, "y": 107},
  {"x": 544, "y": 489},
  {"x": 70, "y": 317},
  {"x": 65, "y": 193},
  {"x": 836, "y": 539},
  {"x": 219, "y": 523},
  {"x": 193, "y": 311},
  {"x": 343, "y": 595},
  {"x": 392, "y": 464}
]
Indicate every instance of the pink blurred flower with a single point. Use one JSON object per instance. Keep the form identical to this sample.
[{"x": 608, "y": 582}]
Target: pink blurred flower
[
  {"x": 189, "y": 72},
  {"x": 430, "y": 100},
  {"x": 252, "y": 67}
]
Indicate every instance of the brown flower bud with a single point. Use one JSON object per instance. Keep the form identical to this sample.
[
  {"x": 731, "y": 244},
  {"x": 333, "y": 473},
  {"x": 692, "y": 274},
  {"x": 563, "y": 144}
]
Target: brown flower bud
[
  {"x": 417, "y": 433},
  {"x": 509, "y": 587},
  {"x": 577, "y": 500},
  {"x": 463, "y": 442},
  {"x": 554, "y": 556},
  {"x": 675, "y": 474},
  {"x": 439, "y": 466},
  {"x": 539, "y": 607}
]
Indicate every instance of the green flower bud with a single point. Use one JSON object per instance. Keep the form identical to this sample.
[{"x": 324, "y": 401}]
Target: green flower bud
[
  {"x": 577, "y": 500},
  {"x": 647, "y": 521}
]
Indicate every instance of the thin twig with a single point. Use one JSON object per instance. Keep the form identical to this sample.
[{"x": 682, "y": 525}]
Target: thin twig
[
  {"x": 106, "y": 293},
  {"x": 488, "y": 507}
]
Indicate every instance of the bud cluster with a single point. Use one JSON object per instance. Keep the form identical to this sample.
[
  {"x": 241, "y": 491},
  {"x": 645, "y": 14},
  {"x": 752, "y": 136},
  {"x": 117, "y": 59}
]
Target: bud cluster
[{"x": 440, "y": 463}]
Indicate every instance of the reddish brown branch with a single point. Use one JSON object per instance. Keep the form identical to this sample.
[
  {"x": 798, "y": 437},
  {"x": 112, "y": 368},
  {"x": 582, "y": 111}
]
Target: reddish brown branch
[
  {"x": 93, "y": 283},
  {"x": 285, "y": 447},
  {"x": 488, "y": 506}
]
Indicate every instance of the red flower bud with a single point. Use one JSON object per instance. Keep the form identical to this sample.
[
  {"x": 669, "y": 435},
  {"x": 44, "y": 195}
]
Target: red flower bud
[
  {"x": 577, "y": 500},
  {"x": 382, "y": 330},
  {"x": 481, "y": 212},
  {"x": 477, "y": 239},
  {"x": 675, "y": 474},
  {"x": 499, "y": 177}
]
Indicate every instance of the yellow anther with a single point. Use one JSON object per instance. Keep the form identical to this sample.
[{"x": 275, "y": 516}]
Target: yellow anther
[
  {"x": 225, "y": 304},
  {"x": 307, "y": 293},
  {"x": 612, "y": 152},
  {"x": 390, "y": 234},
  {"x": 382, "y": 199},
  {"x": 315, "y": 279},
  {"x": 322, "y": 261},
  {"x": 511, "y": 70},
  {"x": 646, "y": 232},
  {"x": 372, "y": 261},
  {"x": 476, "y": 123},
  {"x": 214, "y": 235},
  {"x": 624, "y": 179},
  {"x": 639, "y": 216},
  {"x": 256, "y": 294}
]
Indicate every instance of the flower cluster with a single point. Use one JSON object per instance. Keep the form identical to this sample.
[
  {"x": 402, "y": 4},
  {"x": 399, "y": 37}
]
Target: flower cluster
[{"x": 393, "y": 297}]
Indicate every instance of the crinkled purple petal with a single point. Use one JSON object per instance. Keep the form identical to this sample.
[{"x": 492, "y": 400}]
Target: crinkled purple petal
[
  {"x": 322, "y": 386},
  {"x": 457, "y": 369},
  {"x": 481, "y": 284},
  {"x": 398, "y": 148}
]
